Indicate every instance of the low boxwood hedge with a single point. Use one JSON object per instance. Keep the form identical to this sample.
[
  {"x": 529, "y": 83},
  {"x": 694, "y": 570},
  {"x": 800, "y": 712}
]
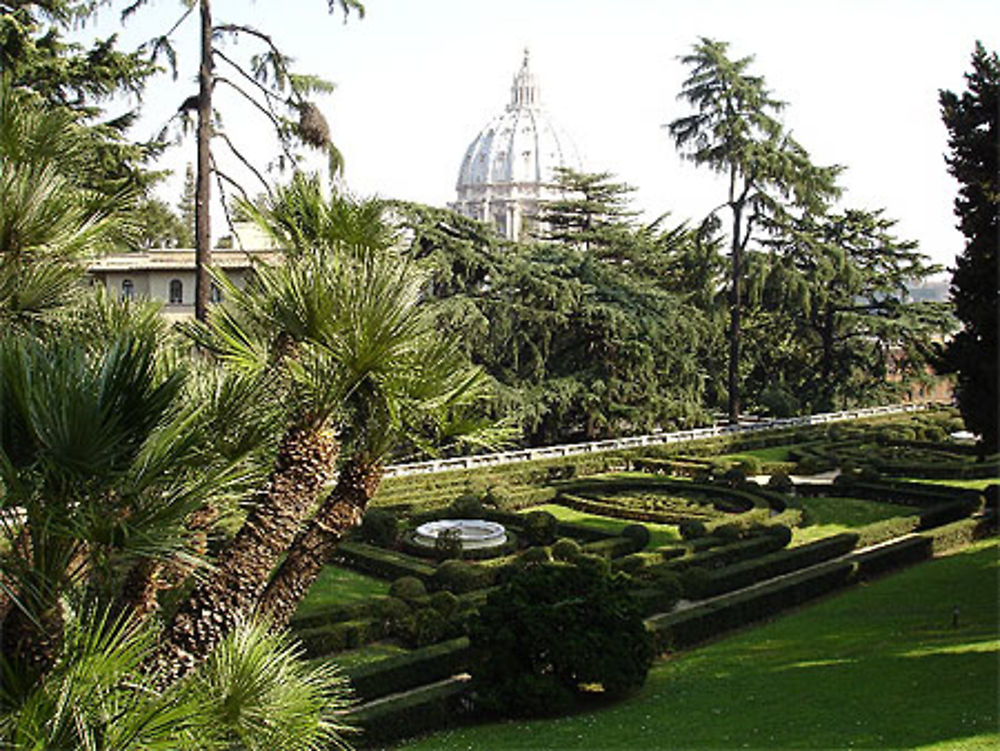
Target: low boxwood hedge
[
  {"x": 745, "y": 573},
  {"x": 405, "y": 671},
  {"x": 386, "y": 564},
  {"x": 696, "y": 624},
  {"x": 725, "y": 555},
  {"x": 400, "y": 716}
]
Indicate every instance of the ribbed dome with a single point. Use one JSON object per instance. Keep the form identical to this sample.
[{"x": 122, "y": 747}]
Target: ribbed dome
[{"x": 521, "y": 145}]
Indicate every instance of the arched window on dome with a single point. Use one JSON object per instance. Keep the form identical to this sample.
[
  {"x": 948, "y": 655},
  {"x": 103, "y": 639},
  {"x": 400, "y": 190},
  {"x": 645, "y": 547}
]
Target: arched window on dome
[{"x": 176, "y": 292}]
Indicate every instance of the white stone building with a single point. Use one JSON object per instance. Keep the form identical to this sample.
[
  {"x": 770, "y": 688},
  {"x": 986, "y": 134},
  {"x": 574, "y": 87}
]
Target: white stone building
[
  {"x": 509, "y": 168},
  {"x": 167, "y": 274}
]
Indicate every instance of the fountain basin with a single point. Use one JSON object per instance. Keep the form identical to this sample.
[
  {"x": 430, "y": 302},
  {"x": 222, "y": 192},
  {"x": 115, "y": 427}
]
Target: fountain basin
[{"x": 474, "y": 534}]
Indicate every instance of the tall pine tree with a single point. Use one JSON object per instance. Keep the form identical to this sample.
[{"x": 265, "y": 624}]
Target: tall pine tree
[
  {"x": 971, "y": 119},
  {"x": 734, "y": 130}
]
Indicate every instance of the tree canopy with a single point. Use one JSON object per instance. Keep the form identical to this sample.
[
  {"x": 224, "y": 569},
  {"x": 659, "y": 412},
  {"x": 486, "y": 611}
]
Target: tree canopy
[{"x": 971, "y": 119}]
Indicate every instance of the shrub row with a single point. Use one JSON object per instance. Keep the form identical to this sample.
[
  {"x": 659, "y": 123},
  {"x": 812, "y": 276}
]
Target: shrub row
[
  {"x": 612, "y": 547},
  {"x": 615, "y": 511},
  {"x": 896, "y": 554},
  {"x": 961, "y": 533},
  {"x": 684, "y": 628},
  {"x": 428, "y": 708},
  {"x": 336, "y": 637},
  {"x": 380, "y": 562},
  {"x": 406, "y": 671},
  {"x": 745, "y": 573},
  {"x": 726, "y": 555}
]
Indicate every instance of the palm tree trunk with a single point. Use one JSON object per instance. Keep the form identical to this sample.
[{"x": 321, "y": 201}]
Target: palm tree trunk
[
  {"x": 304, "y": 464},
  {"x": 356, "y": 485},
  {"x": 149, "y": 576}
]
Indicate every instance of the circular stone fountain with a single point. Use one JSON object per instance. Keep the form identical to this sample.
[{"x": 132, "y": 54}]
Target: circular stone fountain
[{"x": 474, "y": 534}]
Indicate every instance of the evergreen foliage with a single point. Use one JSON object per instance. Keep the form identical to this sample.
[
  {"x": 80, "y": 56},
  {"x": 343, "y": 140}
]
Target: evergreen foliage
[
  {"x": 735, "y": 131},
  {"x": 971, "y": 119},
  {"x": 554, "y": 634}
]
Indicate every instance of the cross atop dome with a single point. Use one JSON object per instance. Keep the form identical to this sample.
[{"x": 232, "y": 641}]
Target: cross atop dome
[{"x": 524, "y": 91}]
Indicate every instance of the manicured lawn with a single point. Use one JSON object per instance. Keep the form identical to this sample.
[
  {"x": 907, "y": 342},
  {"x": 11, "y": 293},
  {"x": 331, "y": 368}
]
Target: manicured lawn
[
  {"x": 363, "y": 655},
  {"x": 340, "y": 586},
  {"x": 830, "y": 516},
  {"x": 660, "y": 534},
  {"x": 769, "y": 454},
  {"x": 878, "y": 666},
  {"x": 971, "y": 484}
]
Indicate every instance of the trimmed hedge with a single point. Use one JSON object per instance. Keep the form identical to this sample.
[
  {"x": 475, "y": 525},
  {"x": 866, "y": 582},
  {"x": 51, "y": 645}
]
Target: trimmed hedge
[
  {"x": 696, "y": 624},
  {"x": 423, "y": 709},
  {"x": 611, "y": 547},
  {"x": 380, "y": 562},
  {"x": 728, "y": 554},
  {"x": 406, "y": 671},
  {"x": 336, "y": 637},
  {"x": 892, "y": 555},
  {"x": 959, "y": 534},
  {"x": 745, "y": 573}
]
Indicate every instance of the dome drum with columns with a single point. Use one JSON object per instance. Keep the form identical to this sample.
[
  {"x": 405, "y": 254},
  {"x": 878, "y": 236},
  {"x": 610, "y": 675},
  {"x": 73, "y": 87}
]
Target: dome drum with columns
[{"x": 509, "y": 168}]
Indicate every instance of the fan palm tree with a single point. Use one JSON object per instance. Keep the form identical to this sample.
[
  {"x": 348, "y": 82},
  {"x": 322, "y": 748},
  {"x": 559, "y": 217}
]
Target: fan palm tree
[
  {"x": 272, "y": 329},
  {"x": 99, "y": 467},
  {"x": 49, "y": 223},
  {"x": 254, "y": 692},
  {"x": 408, "y": 386},
  {"x": 403, "y": 377}
]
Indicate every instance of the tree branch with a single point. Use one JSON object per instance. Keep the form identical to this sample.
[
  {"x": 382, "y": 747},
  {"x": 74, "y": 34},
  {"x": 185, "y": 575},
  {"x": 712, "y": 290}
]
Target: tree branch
[
  {"x": 230, "y": 28},
  {"x": 266, "y": 111},
  {"x": 243, "y": 159},
  {"x": 219, "y": 177}
]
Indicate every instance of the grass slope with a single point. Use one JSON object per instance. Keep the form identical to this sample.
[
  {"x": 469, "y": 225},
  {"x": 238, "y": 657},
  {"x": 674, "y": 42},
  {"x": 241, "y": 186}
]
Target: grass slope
[
  {"x": 827, "y": 516},
  {"x": 659, "y": 534},
  {"x": 878, "y": 666},
  {"x": 339, "y": 586}
]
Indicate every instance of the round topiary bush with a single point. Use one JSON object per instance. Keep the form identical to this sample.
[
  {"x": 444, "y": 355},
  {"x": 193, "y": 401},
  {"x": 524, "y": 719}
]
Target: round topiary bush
[
  {"x": 630, "y": 564},
  {"x": 535, "y": 555},
  {"x": 379, "y": 527},
  {"x": 728, "y": 532},
  {"x": 565, "y": 549},
  {"x": 445, "y": 602},
  {"x": 692, "y": 529},
  {"x": 459, "y": 577},
  {"x": 393, "y": 608},
  {"x": 638, "y": 534},
  {"x": 665, "y": 580},
  {"x": 466, "y": 506},
  {"x": 779, "y": 531},
  {"x": 540, "y": 528},
  {"x": 448, "y": 544},
  {"x": 781, "y": 482},
  {"x": 592, "y": 561},
  {"x": 553, "y": 632},
  {"x": 734, "y": 477},
  {"x": 424, "y": 626},
  {"x": 408, "y": 588},
  {"x": 750, "y": 466}
]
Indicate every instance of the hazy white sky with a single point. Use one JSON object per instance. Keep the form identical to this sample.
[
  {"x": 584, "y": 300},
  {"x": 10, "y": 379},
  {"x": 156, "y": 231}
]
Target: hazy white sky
[{"x": 417, "y": 80}]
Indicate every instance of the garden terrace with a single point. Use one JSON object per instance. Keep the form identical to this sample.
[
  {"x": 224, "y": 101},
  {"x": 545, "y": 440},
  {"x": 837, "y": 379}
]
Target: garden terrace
[{"x": 701, "y": 557}]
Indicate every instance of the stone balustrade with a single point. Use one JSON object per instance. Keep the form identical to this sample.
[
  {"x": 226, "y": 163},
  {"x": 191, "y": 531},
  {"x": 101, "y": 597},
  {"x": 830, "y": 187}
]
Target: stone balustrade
[{"x": 632, "y": 442}]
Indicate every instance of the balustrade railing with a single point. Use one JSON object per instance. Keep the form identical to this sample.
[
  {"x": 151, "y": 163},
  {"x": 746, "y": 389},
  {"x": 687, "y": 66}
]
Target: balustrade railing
[{"x": 652, "y": 439}]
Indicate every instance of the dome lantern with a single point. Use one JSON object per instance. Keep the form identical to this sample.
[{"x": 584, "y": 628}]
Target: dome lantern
[{"x": 524, "y": 91}]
